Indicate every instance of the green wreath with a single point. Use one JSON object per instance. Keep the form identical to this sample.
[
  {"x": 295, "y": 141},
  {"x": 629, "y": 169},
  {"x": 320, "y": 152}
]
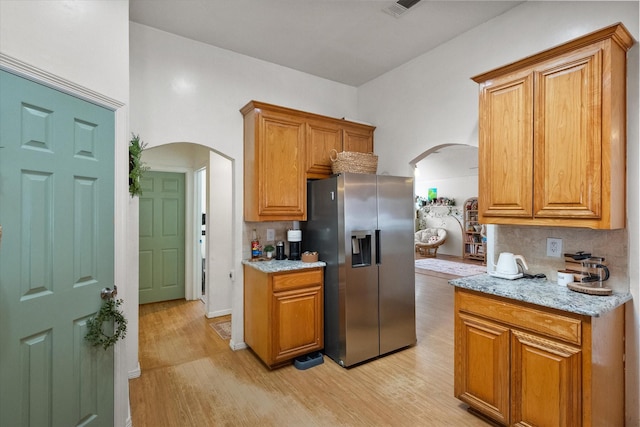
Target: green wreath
[{"x": 109, "y": 311}]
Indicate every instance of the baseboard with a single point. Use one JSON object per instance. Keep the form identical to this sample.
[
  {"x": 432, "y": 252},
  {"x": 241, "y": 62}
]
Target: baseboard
[
  {"x": 237, "y": 346},
  {"x": 135, "y": 373},
  {"x": 218, "y": 313}
]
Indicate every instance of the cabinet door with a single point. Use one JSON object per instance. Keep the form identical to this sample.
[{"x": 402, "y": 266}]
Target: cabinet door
[
  {"x": 322, "y": 138},
  {"x": 546, "y": 382},
  {"x": 482, "y": 366},
  {"x": 568, "y": 156},
  {"x": 506, "y": 147},
  {"x": 297, "y": 322},
  {"x": 357, "y": 138},
  {"x": 280, "y": 160}
]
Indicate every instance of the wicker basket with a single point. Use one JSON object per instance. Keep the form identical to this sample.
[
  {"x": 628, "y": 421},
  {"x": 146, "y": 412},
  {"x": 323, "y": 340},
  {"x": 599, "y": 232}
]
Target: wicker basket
[{"x": 351, "y": 161}]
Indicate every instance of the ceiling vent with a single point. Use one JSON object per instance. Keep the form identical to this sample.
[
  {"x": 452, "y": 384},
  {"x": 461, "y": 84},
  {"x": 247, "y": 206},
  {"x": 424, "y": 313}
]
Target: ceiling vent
[{"x": 400, "y": 7}]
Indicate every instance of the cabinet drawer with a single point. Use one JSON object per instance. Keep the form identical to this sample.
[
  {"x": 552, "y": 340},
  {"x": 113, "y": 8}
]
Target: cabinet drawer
[
  {"x": 296, "y": 280},
  {"x": 550, "y": 324}
]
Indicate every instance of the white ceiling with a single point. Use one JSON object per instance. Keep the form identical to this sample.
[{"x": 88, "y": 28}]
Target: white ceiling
[{"x": 347, "y": 41}]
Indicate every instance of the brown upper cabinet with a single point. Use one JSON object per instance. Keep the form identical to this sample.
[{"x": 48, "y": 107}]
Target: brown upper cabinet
[
  {"x": 285, "y": 147},
  {"x": 552, "y": 136}
]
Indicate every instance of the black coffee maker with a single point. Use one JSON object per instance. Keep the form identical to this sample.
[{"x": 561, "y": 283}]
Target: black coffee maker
[
  {"x": 280, "y": 251},
  {"x": 295, "y": 244}
]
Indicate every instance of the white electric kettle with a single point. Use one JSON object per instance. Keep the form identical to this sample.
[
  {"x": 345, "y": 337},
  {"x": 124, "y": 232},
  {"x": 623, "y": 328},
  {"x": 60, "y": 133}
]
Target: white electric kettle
[{"x": 507, "y": 266}]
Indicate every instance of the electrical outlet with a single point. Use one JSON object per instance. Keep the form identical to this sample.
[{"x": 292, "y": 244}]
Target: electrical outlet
[
  {"x": 271, "y": 235},
  {"x": 554, "y": 247}
]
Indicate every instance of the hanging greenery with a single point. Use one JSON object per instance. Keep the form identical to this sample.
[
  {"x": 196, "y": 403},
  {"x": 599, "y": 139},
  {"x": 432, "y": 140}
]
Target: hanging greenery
[
  {"x": 108, "y": 312},
  {"x": 136, "y": 167}
]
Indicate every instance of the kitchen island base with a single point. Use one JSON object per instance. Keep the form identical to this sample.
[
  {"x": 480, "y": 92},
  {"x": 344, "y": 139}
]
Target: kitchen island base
[
  {"x": 522, "y": 364},
  {"x": 283, "y": 310}
]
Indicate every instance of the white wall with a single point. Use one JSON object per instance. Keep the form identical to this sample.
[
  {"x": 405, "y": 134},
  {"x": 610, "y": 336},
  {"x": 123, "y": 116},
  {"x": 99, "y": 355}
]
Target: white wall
[
  {"x": 186, "y": 91},
  {"x": 86, "y": 42},
  {"x": 432, "y": 101},
  {"x": 83, "y": 47},
  {"x": 220, "y": 243}
]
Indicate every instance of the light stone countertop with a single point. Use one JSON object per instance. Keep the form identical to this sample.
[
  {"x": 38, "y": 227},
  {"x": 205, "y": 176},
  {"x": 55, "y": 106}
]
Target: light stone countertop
[
  {"x": 275, "y": 266},
  {"x": 544, "y": 293}
]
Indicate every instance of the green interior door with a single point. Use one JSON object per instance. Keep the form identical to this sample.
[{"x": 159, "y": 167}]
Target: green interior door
[
  {"x": 56, "y": 254},
  {"x": 162, "y": 253}
]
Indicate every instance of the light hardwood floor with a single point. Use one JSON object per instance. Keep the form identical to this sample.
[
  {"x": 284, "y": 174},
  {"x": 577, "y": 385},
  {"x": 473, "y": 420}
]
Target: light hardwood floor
[{"x": 190, "y": 376}]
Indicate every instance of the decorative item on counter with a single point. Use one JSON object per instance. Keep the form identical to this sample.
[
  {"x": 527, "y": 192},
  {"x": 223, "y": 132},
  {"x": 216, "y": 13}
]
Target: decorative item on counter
[
  {"x": 268, "y": 251},
  {"x": 308, "y": 256},
  {"x": 255, "y": 245},
  {"x": 565, "y": 277}
]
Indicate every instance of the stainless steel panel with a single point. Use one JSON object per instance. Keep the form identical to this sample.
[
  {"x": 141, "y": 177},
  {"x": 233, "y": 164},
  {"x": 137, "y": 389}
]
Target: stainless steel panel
[
  {"x": 396, "y": 268},
  {"x": 359, "y": 285},
  {"x": 321, "y": 233},
  {"x": 369, "y": 306}
]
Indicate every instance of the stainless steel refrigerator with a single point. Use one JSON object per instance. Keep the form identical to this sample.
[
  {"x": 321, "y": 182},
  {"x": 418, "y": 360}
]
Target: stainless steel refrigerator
[{"x": 363, "y": 228}]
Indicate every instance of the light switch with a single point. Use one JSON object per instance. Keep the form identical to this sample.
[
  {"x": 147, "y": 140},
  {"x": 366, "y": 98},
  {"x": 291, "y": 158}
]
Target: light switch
[{"x": 271, "y": 235}]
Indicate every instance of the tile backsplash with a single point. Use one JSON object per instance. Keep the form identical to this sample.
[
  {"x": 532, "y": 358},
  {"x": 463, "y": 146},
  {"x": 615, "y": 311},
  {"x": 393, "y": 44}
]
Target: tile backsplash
[
  {"x": 531, "y": 243},
  {"x": 279, "y": 227}
]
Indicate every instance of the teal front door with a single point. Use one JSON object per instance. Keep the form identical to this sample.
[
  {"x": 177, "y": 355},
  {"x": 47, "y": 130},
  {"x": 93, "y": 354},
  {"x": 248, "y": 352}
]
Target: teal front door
[
  {"x": 162, "y": 247},
  {"x": 56, "y": 254}
]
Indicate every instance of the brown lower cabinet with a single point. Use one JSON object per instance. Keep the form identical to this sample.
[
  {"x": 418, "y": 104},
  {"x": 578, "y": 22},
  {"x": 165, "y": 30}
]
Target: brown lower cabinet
[
  {"x": 283, "y": 313},
  {"x": 524, "y": 365}
]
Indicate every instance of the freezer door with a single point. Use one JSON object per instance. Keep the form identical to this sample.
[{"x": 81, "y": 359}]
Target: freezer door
[
  {"x": 320, "y": 233},
  {"x": 359, "y": 289},
  {"x": 396, "y": 263}
]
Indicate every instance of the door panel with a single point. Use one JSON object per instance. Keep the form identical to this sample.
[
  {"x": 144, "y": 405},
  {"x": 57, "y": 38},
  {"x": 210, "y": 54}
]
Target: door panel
[
  {"x": 357, "y": 139},
  {"x": 359, "y": 289},
  {"x": 568, "y": 156},
  {"x": 281, "y": 155},
  {"x": 56, "y": 254},
  {"x": 482, "y": 366},
  {"x": 297, "y": 316},
  {"x": 506, "y": 148},
  {"x": 162, "y": 244},
  {"x": 545, "y": 382},
  {"x": 396, "y": 269},
  {"x": 322, "y": 137}
]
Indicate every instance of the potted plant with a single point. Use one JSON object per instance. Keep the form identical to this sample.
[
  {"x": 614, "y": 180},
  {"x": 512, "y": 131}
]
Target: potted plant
[
  {"x": 136, "y": 167},
  {"x": 268, "y": 250}
]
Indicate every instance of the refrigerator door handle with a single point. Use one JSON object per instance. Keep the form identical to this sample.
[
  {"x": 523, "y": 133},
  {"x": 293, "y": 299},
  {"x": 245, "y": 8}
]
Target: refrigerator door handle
[{"x": 378, "y": 254}]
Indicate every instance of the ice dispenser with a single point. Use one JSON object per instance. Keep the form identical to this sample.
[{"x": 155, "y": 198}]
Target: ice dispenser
[{"x": 360, "y": 248}]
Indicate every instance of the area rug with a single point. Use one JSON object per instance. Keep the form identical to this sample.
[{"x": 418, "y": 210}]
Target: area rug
[
  {"x": 448, "y": 267},
  {"x": 222, "y": 328}
]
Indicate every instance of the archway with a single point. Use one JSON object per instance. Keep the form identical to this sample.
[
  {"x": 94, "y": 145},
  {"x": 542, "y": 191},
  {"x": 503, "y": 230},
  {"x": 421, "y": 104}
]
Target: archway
[
  {"x": 190, "y": 159},
  {"x": 451, "y": 169}
]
